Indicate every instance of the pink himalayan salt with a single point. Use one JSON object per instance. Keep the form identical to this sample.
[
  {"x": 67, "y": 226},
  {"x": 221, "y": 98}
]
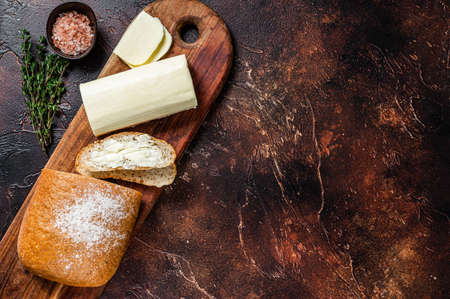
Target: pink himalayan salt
[{"x": 72, "y": 33}]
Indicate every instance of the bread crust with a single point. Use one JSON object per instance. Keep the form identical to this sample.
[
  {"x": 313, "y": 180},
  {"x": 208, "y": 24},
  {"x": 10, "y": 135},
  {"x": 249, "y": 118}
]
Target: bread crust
[
  {"x": 58, "y": 254},
  {"x": 80, "y": 165},
  {"x": 143, "y": 177}
]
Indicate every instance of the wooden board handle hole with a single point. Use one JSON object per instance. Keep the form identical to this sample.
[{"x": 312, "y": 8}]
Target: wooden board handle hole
[
  {"x": 189, "y": 30},
  {"x": 189, "y": 33}
]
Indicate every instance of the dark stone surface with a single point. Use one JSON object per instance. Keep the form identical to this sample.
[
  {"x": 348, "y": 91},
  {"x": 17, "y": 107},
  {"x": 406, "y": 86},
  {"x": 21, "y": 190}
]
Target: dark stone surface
[{"x": 323, "y": 170}]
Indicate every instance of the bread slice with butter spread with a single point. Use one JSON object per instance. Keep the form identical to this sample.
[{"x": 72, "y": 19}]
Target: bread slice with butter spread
[
  {"x": 129, "y": 156},
  {"x": 127, "y": 151}
]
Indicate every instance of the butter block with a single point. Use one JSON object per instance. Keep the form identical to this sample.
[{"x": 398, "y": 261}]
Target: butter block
[
  {"x": 140, "y": 40},
  {"x": 148, "y": 92},
  {"x": 162, "y": 49}
]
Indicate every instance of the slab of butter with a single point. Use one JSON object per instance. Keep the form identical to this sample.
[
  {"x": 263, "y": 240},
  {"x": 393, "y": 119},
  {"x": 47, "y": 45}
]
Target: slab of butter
[
  {"x": 148, "y": 92},
  {"x": 140, "y": 40},
  {"x": 162, "y": 49}
]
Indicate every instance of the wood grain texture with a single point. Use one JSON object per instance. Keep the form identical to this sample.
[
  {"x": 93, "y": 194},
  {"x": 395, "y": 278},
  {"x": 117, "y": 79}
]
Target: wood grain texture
[{"x": 209, "y": 60}]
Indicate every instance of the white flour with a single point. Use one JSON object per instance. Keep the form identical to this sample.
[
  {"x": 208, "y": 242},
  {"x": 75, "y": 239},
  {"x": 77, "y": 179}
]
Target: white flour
[{"x": 89, "y": 219}]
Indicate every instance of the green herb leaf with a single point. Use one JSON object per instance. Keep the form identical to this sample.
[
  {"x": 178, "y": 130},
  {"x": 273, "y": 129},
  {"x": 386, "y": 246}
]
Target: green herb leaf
[{"x": 42, "y": 86}]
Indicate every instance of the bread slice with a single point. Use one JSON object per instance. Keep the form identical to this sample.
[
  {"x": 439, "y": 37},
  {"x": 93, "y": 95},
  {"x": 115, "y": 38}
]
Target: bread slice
[
  {"x": 152, "y": 177},
  {"x": 126, "y": 151}
]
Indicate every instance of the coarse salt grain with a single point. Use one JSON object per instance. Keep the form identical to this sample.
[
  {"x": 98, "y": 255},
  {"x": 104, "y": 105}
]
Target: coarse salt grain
[
  {"x": 88, "y": 220},
  {"x": 72, "y": 33}
]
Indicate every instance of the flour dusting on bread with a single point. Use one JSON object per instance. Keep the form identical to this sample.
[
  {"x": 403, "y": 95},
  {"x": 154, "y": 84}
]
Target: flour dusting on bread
[{"x": 90, "y": 219}]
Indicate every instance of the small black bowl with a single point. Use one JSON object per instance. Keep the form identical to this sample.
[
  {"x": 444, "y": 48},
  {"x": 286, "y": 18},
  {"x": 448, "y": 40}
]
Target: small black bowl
[{"x": 65, "y": 7}]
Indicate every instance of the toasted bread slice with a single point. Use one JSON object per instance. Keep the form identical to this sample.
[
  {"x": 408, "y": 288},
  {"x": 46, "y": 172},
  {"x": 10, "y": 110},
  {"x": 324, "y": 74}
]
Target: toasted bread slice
[
  {"x": 126, "y": 151},
  {"x": 152, "y": 177}
]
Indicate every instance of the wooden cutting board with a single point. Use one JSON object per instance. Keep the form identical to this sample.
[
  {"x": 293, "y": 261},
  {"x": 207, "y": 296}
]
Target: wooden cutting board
[{"x": 209, "y": 61}]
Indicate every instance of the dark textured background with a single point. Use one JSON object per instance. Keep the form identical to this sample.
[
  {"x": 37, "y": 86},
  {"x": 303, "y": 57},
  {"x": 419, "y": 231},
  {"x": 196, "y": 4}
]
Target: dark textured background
[{"x": 322, "y": 172}]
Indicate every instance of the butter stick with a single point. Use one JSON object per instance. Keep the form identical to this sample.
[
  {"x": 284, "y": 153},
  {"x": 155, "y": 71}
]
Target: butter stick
[{"x": 148, "y": 92}]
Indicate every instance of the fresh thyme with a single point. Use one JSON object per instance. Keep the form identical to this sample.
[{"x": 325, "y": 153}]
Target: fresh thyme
[{"x": 42, "y": 86}]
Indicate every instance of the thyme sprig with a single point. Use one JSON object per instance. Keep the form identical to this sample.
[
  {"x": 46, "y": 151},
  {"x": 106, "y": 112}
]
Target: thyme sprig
[{"x": 42, "y": 86}]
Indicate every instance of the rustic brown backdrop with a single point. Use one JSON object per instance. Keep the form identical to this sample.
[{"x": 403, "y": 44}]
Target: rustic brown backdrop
[{"x": 322, "y": 171}]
